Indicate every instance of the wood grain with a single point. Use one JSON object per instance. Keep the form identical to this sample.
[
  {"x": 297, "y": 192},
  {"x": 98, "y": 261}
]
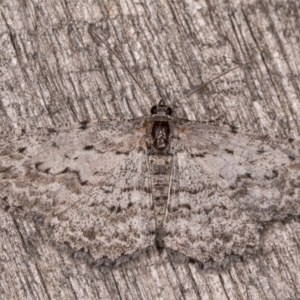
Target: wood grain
[{"x": 54, "y": 74}]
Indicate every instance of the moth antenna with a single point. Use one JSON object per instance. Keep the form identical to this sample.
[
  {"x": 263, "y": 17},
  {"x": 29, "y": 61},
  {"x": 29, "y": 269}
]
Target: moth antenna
[
  {"x": 211, "y": 80},
  {"x": 97, "y": 37}
]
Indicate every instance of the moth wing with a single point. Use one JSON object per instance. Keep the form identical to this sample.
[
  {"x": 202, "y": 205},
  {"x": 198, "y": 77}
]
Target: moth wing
[
  {"x": 260, "y": 174},
  {"x": 201, "y": 221},
  {"x": 225, "y": 185},
  {"x": 92, "y": 186}
]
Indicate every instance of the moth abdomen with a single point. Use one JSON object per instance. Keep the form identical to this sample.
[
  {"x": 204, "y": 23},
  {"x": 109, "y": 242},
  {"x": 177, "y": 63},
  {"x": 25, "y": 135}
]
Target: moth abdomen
[{"x": 160, "y": 171}]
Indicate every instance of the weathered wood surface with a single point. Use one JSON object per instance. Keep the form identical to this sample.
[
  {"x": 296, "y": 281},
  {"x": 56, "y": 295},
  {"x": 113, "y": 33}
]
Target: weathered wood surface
[{"x": 53, "y": 73}]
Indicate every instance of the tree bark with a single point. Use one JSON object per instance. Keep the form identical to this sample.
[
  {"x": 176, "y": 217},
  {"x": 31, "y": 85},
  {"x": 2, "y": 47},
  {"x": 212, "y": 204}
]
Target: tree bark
[{"x": 55, "y": 73}]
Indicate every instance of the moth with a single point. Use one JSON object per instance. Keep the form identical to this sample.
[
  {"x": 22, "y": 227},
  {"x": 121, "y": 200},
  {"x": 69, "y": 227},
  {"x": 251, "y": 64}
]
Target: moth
[{"x": 112, "y": 189}]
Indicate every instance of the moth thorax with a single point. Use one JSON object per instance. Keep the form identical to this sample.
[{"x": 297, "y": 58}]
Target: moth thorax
[{"x": 160, "y": 134}]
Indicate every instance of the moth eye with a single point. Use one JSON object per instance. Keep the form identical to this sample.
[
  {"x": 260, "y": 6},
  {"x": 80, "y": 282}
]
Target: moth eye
[
  {"x": 154, "y": 110},
  {"x": 169, "y": 111}
]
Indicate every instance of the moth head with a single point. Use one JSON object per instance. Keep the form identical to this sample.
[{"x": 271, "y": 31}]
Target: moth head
[{"x": 161, "y": 109}]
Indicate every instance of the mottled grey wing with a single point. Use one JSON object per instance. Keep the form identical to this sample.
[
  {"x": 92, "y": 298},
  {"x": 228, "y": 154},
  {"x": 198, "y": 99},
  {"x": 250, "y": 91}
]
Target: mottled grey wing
[
  {"x": 92, "y": 185},
  {"x": 224, "y": 185}
]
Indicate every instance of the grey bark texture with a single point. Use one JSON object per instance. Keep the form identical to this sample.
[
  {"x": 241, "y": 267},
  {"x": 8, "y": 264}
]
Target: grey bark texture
[{"x": 54, "y": 73}]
